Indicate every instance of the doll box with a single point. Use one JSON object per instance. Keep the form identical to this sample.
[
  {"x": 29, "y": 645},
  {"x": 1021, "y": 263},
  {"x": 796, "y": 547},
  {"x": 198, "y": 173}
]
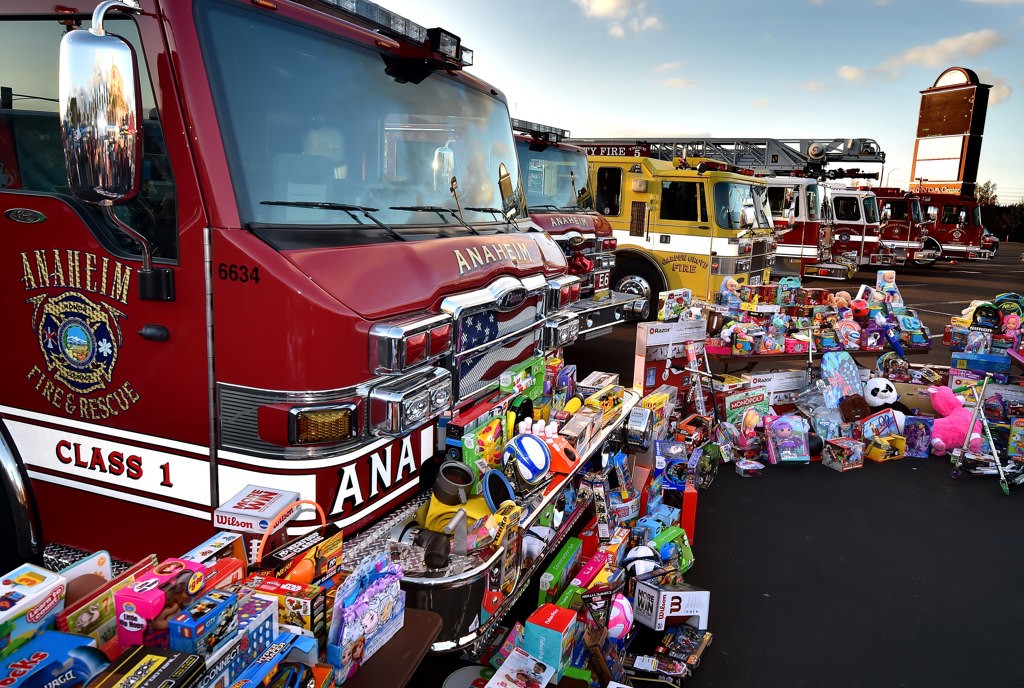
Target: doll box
[
  {"x": 144, "y": 609},
  {"x": 30, "y": 599}
]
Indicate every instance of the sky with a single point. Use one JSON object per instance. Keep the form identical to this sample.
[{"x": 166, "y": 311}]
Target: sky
[{"x": 809, "y": 69}]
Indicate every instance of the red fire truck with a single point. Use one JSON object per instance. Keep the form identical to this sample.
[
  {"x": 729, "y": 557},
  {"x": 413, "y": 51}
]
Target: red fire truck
[
  {"x": 555, "y": 177},
  {"x": 906, "y": 226},
  {"x": 265, "y": 260},
  {"x": 957, "y": 227}
]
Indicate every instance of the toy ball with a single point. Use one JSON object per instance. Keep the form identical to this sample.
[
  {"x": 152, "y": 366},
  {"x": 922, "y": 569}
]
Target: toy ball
[
  {"x": 531, "y": 456},
  {"x": 620, "y": 617},
  {"x": 640, "y": 560},
  {"x": 859, "y": 308}
]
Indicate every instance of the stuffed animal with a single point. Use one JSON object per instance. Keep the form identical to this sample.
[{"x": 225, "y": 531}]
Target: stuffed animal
[
  {"x": 951, "y": 428},
  {"x": 881, "y": 394}
]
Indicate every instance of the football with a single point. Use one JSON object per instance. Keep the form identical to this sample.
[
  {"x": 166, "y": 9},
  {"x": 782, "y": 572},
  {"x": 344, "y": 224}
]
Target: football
[
  {"x": 530, "y": 455},
  {"x": 620, "y": 618}
]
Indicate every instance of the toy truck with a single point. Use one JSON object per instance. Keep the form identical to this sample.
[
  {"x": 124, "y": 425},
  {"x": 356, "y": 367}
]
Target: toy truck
[{"x": 244, "y": 253}]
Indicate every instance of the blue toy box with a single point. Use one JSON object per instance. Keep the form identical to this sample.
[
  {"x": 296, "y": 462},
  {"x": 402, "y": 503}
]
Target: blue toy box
[
  {"x": 207, "y": 625},
  {"x": 287, "y": 647},
  {"x": 257, "y": 628},
  {"x": 989, "y": 363},
  {"x": 53, "y": 659}
]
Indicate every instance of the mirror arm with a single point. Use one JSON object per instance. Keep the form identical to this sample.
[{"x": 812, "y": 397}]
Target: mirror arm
[
  {"x": 147, "y": 249},
  {"x": 101, "y": 10}
]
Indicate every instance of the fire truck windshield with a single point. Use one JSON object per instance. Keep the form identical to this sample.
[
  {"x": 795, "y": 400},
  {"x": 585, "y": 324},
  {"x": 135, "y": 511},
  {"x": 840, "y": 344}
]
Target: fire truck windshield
[
  {"x": 740, "y": 206},
  {"x": 310, "y": 118},
  {"x": 548, "y": 178},
  {"x": 870, "y": 210}
]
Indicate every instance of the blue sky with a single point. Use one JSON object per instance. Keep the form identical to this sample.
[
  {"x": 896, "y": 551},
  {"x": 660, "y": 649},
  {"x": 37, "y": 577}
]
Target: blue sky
[{"x": 819, "y": 69}]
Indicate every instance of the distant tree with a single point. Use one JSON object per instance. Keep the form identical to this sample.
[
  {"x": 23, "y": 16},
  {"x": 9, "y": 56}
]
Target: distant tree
[{"x": 987, "y": 193}]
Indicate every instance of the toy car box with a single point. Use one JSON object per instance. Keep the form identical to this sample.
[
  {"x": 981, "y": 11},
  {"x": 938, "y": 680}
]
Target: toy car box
[
  {"x": 250, "y": 513},
  {"x": 30, "y": 599},
  {"x": 52, "y": 660},
  {"x": 257, "y": 628},
  {"x": 145, "y": 608},
  {"x": 312, "y": 558},
  {"x": 304, "y": 606},
  {"x": 220, "y": 546},
  {"x": 550, "y": 636},
  {"x": 207, "y": 625},
  {"x": 560, "y": 571},
  {"x": 657, "y": 606},
  {"x": 843, "y": 454},
  {"x": 287, "y": 647},
  {"x": 152, "y": 667}
]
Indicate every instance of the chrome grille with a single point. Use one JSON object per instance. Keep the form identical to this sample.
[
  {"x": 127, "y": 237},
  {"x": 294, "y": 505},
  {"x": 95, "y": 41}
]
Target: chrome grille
[
  {"x": 479, "y": 370},
  {"x": 483, "y": 327}
]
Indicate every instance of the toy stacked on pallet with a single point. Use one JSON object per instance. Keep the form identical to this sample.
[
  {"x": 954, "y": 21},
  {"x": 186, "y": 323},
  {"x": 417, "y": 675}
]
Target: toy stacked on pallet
[{"x": 786, "y": 318}]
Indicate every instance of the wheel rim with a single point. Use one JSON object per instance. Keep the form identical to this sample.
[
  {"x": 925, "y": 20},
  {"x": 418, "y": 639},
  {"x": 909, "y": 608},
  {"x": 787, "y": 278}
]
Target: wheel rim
[
  {"x": 634, "y": 284},
  {"x": 930, "y": 245}
]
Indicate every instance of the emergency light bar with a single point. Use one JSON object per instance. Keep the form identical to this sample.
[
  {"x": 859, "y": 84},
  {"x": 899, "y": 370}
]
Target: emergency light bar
[
  {"x": 540, "y": 131},
  {"x": 441, "y": 42}
]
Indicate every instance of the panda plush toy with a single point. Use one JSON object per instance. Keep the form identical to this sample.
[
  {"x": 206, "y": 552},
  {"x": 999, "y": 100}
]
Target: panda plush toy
[{"x": 881, "y": 394}]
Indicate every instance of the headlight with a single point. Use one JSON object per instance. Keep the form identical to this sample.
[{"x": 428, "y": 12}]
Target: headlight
[{"x": 399, "y": 406}]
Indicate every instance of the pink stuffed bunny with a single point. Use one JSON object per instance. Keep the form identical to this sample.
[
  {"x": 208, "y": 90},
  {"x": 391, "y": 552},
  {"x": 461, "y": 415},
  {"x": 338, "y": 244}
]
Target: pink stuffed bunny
[{"x": 950, "y": 430}]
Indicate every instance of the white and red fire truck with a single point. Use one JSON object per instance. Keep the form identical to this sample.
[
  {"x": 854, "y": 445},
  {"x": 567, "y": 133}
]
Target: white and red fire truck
[{"x": 247, "y": 242}]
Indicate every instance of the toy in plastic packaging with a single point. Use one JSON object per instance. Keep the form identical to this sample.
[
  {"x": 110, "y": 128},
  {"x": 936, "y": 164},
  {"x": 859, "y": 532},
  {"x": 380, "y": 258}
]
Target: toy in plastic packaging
[
  {"x": 786, "y": 437},
  {"x": 918, "y": 431},
  {"x": 749, "y": 468},
  {"x": 886, "y": 284}
]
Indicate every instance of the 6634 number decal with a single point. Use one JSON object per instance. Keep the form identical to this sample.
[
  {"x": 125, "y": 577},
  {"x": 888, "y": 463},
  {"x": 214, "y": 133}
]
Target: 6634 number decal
[{"x": 238, "y": 273}]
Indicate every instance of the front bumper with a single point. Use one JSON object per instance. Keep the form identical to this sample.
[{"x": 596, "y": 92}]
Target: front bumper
[{"x": 598, "y": 316}]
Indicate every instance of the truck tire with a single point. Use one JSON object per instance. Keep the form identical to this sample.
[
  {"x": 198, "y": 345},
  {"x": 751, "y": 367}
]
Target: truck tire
[
  {"x": 634, "y": 277},
  {"x": 929, "y": 244},
  {"x": 19, "y": 521}
]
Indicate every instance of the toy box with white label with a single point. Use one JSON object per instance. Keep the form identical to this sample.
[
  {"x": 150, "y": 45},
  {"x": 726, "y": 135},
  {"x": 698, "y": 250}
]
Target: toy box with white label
[
  {"x": 144, "y": 609},
  {"x": 53, "y": 660},
  {"x": 30, "y": 599},
  {"x": 657, "y": 606}
]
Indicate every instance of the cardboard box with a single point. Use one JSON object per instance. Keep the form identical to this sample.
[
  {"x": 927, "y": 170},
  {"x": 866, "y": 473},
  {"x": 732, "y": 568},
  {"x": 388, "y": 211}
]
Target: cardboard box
[
  {"x": 989, "y": 363},
  {"x": 550, "y": 636},
  {"x": 257, "y": 628},
  {"x": 313, "y": 558},
  {"x": 287, "y": 647},
  {"x": 304, "y": 606},
  {"x": 597, "y": 381},
  {"x": 843, "y": 454},
  {"x": 250, "y": 513},
  {"x": 220, "y": 546},
  {"x": 53, "y": 660},
  {"x": 152, "y": 667},
  {"x": 560, "y": 571},
  {"x": 30, "y": 599},
  {"x": 145, "y": 608},
  {"x": 525, "y": 377},
  {"x": 207, "y": 625},
  {"x": 657, "y": 606}
]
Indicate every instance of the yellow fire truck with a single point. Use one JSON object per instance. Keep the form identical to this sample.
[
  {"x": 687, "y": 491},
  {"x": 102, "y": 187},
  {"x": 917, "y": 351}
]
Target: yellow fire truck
[{"x": 687, "y": 223}]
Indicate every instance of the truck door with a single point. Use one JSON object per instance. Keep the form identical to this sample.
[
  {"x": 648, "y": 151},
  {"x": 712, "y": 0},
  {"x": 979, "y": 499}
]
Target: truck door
[
  {"x": 104, "y": 395},
  {"x": 849, "y": 226}
]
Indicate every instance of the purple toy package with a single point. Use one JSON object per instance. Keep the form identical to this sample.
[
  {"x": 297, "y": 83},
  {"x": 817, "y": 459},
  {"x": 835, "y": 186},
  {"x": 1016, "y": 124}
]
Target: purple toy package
[
  {"x": 786, "y": 437},
  {"x": 918, "y": 431}
]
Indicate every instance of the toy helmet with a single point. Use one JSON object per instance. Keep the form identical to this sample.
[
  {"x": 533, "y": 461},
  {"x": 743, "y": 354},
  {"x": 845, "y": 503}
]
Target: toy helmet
[
  {"x": 526, "y": 460},
  {"x": 859, "y": 308}
]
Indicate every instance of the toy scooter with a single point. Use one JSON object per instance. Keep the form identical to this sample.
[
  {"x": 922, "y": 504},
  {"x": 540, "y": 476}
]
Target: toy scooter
[{"x": 984, "y": 464}]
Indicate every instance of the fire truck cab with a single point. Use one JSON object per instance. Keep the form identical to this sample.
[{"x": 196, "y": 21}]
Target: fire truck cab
[
  {"x": 687, "y": 223},
  {"x": 803, "y": 239},
  {"x": 856, "y": 228},
  {"x": 957, "y": 228},
  {"x": 248, "y": 243},
  {"x": 906, "y": 226},
  {"x": 558, "y": 200}
]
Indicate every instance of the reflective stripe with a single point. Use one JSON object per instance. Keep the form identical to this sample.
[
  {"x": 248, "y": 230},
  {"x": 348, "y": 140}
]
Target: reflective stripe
[{"x": 124, "y": 496}]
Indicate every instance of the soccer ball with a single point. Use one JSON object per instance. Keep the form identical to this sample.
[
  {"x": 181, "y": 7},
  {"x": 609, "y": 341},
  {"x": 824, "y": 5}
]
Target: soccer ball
[
  {"x": 531, "y": 457},
  {"x": 640, "y": 560},
  {"x": 620, "y": 618}
]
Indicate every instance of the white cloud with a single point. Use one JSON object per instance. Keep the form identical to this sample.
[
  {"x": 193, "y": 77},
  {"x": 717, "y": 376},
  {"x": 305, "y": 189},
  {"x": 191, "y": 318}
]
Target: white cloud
[
  {"x": 1001, "y": 89},
  {"x": 678, "y": 83},
  {"x": 763, "y": 103},
  {"x": 668, "y": 66},
  {"x": 815, "y": 86},
  {"x": 624, "y": 15},
  {"x": 942, "y": 52},
  {"x": 848, "y": 73}
]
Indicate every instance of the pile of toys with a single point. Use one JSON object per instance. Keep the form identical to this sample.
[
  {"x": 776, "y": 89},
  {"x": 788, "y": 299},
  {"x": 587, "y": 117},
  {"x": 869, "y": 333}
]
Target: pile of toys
[
  {"x": 786, "y": 318},
  {"x": 986, "y": 343}
]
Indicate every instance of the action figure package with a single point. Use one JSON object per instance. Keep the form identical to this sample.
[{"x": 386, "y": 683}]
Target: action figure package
[
  {"x": 786, "y": 437},
  {"x": 918, "y": 431}
]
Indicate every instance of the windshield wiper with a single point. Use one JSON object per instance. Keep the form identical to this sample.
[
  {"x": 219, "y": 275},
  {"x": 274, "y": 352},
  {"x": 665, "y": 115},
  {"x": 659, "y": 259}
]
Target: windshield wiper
[
  {"x": 350, "y": 210},
  {"x": 497, "y": 212},
  {"x": 440, "y": 210}
]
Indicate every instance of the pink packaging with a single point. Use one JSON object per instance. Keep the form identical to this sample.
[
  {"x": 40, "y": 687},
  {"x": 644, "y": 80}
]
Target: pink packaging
[
  {"x": 590, "y": 570},
  {"x": 144, "y": 608},
  {"x": 796, "y": 346}
]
